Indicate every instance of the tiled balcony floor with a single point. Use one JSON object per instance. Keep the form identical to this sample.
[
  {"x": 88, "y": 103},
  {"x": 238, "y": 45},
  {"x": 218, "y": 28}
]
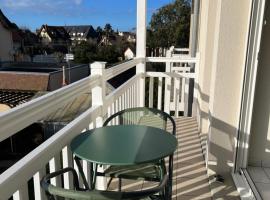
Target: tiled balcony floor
[
  {"x": 190, "y": 175},
  {"x": 190, "y": 181}
]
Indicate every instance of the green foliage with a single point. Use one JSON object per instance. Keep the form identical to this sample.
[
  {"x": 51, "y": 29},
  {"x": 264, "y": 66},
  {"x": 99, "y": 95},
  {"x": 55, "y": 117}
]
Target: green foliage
[
  {"x": 108, "y": 29},
  {"x": 170, "y": 25},
  {"x": 109, "y": 54},
  {"x": 84, "y": 52},
  {"x": 87, "y": 52}
]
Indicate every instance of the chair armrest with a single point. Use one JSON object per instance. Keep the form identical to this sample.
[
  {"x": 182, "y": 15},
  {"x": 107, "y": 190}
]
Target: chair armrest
[
  {"x": 96, "y": 194},
  {"x": 45, "y": 180}
]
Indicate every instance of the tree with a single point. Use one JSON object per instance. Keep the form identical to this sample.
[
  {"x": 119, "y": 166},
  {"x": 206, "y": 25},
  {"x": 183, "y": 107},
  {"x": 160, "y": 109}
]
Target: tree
[
  {"x": 109, "y": 54},
  {"x": 84, "y": 52},
  {"x": 108, "y": 29},
  {"x": 87, "y": 52},
  {"x": 170, "y": 25}
]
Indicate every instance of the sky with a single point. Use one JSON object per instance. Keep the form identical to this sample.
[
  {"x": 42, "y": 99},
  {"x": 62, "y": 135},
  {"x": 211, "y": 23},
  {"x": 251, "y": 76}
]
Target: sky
[{"x": 121, "y": 14}]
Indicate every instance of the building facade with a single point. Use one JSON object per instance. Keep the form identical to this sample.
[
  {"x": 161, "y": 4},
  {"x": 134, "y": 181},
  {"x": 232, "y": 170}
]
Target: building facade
[{"x": 6, "y": 47}]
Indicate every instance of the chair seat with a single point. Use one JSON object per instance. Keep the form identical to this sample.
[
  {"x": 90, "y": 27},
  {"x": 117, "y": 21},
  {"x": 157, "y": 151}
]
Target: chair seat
[{"x": 148, "y": 171}]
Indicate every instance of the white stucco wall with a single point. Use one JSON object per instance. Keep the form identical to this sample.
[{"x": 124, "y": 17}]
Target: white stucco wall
[
  {"x": 229, "y": 48},
  {"x": 6, "y": 44},
  {"x": 223, "y": 50}
]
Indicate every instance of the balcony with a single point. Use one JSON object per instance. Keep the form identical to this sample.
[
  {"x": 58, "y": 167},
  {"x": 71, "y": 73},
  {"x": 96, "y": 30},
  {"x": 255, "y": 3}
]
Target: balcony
[{"x": 164, "y": 90}]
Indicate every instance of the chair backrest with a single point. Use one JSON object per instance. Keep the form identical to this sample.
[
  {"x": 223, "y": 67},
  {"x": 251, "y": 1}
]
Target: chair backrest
[
  {"x": 81, "y": 194},
  {"x": 143, "y": 116}
]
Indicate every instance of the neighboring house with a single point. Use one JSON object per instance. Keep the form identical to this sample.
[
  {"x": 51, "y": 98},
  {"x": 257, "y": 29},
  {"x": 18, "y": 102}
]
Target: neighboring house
[
  {"x": 6, "y": 47},
  {"x": 53, "y": 35},
  {"x": 17, "y": 39},
  {"x": 129, "y": 54},
  {"x": 24, "y": 44},
  {"x": 108, "y": 40},
  {"x": 82, "y": 33},
  {"x": 128, "y": 36}
]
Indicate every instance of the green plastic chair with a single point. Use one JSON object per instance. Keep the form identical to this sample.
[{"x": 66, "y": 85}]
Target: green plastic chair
[
  {"x": 82, "y": 194},
  {"x": 149, "y": 171}
]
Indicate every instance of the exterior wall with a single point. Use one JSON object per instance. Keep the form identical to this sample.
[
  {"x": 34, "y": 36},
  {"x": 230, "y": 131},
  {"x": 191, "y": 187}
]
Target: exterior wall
[
  {"x": 45, "y": 38},
  {"x": 207, "y": 27},
  {"x": 259, "y": 152},
  {"x": 223, "y": 37},
  {"x": 128, "y": 54},
  {"x": 6, "y": 44}
]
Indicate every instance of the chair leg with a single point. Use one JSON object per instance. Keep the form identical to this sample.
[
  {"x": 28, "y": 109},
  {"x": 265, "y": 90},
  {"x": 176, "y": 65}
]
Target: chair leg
[
  {"x": 109, "y": 182},
  {"x": 120, "y": 184},
  {"x": 77, "y": 160}
]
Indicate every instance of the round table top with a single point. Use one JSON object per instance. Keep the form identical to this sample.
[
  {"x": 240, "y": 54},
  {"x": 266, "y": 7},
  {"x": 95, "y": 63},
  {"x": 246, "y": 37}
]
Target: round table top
[{"x": 124, "y": 145}]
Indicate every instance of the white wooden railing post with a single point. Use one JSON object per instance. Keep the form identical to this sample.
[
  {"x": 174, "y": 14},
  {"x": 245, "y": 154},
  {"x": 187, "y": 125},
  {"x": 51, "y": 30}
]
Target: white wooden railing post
[
  {"x": 196, "y": 86},
  {"x": 98, "y": 97},
  {"x": 141, "y": 46},
  {"x": 167, "y": 96},
  {"x": 98, "y": 92}
]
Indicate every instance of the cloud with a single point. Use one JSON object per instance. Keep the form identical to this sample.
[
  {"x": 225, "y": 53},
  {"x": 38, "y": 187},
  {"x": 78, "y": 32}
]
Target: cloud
[{"x": 39, "y": 4}]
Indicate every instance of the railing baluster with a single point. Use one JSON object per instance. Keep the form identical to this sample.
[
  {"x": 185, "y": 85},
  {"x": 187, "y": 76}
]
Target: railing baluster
[
  {"x": 116, "y": 110},
  {"x": 38, "y": 191},
  {"x": 67, "y": 162},
  {"x": 185, "y": 95},
  {"x": 22, "y": 193},
  {"x": 55, "y": 165},
  {"x": 128, "y": 99},
  {"x": 78, "y": 172},
  {"x": 113, "y": 111},
  {"x": 177, "y": 95},
  {"x": 86, "y": 170},
  {"x": 151, "y": 91},
  {"x": 167, "y": 95},
  {"x": 159, "y": 92}
]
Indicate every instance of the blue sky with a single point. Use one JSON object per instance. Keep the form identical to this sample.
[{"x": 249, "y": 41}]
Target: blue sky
[{"x": 121, "y": 14}]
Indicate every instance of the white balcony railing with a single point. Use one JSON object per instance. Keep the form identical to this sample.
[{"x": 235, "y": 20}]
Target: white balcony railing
[{"x": 54, "y": 153}]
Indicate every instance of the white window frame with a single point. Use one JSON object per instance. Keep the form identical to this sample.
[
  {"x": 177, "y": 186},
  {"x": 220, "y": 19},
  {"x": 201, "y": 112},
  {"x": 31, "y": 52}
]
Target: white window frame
[{"x": 245, "y": 187}]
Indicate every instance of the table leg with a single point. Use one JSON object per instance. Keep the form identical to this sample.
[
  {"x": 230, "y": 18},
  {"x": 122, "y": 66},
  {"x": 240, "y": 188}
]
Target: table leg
[
  {"x": 77, "y": 160},
  {"x": 94, "y": 176}
]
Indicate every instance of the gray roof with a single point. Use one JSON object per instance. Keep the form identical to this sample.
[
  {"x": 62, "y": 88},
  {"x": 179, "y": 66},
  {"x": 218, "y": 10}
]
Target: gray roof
[
  {"x": 87, "y": 30},
  {"x": 6, "y": 23}
]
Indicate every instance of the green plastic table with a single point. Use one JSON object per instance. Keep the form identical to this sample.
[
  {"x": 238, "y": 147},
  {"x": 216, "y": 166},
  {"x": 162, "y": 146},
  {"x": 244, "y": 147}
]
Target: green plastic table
[{"x": 123, "y": 145}]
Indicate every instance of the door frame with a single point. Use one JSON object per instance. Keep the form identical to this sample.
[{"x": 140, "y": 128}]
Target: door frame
[
  {"x": 245, "y": 187},
  {"x": 248, "y": 94}
]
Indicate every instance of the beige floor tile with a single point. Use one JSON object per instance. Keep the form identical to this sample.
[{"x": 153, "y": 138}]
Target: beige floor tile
[
  {"x": 224, "y": 190},
  {"x": 258, "y": 175},
  {"x": 185, "y": 197},
  {"x": 190, "y": 171},
  {"x": 264, "y": 190},
  {"x": 198, "y": 187}
]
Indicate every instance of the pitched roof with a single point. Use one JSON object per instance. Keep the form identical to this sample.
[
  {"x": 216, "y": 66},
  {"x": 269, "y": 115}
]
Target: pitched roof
[
  {"x": 87, "y": 30},
  {"x": 6, "y": 23},
  {"x": 56, "y": 32}
]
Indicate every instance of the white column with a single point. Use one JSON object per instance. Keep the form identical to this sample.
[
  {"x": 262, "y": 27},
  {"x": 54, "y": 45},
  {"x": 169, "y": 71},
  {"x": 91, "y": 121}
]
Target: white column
[
  {"x": 141, "y": 45},
  {"x": 98, "y": 97}
]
